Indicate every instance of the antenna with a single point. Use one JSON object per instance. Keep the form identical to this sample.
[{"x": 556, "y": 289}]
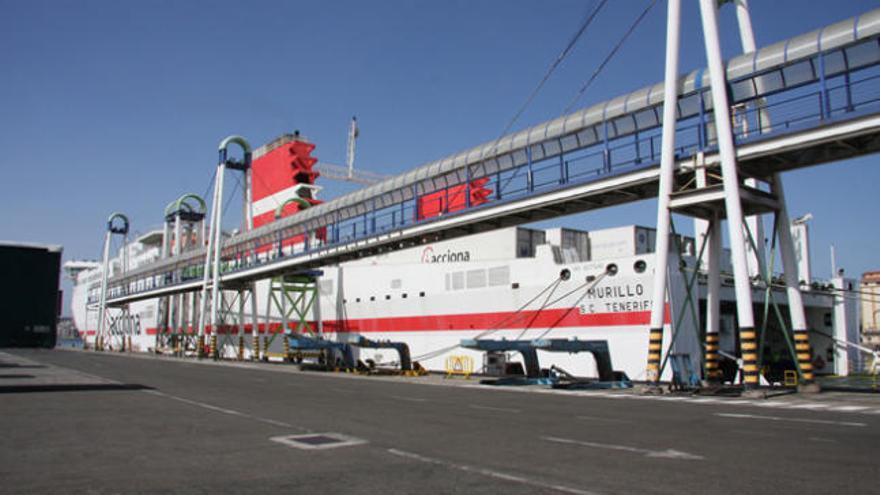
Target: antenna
[
  {"x": 348, "y": 173},
  {"x": 352, "y": 141}
]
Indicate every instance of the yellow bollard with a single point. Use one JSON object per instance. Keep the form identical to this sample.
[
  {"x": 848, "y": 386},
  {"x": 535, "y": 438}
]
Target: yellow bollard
[
  {"x": 241, "y": 347},
  {"x": 255, "y": 352},
  {"x": 286, "y": 349},
  {"x": 213, "y": 349}
]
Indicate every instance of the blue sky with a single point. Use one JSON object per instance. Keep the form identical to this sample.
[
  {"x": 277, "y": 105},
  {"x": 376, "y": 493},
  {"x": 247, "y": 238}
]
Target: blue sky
[{"x": 120, "y": 105}]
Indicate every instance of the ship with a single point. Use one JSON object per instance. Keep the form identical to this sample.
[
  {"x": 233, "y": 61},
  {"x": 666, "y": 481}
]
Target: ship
[{"x": 513, "y": 284}]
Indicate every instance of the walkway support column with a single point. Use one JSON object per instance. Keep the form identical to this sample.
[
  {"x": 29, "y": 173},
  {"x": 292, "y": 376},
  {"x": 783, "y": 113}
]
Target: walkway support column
[
  {"x": 667, "y": 166},
  {"x": 732, "y": 201}
]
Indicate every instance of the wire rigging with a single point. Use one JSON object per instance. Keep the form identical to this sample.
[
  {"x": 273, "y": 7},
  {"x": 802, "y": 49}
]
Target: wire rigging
[
  {"x": 559, "y": 58},
  {"x": 608, "y": 57}
]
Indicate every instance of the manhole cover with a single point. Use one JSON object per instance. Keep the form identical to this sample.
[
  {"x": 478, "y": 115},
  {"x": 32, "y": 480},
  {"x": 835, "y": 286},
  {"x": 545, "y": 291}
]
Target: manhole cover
[{"x": 313, "y": 441}]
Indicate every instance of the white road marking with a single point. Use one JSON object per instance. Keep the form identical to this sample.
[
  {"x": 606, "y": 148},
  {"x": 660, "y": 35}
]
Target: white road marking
[
  {"x": 822, "y": 440},
  {"x": 663, "y": 454},
  {"x": 849, "y": 408},
  {"x": 810, "y": 406},
  {"x": 491, "y": 408},
  {"x": 223, "y": 410},
  {"x": 794, "y": 420},
  {"x": 598, "y": 418},
  {"x": 490, "y": 473},
  {"x": 410, "y": 399}
]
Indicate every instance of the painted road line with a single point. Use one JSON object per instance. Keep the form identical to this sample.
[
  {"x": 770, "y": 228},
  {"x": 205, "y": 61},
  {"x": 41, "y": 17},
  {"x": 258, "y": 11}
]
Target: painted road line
[
  {"x": 599, "y": 418},
  {"x": 223, "y": 410},
  {"x": 810, "y": 406},
  {"x": 409, "y": 399},
  {"x": 490, "y": 473},
  {"x": 491, "y": 408},
  {"x": 793, "y": 420},
  {"x": 849, "y": 408},
  {"x": 662, "y": 454}
]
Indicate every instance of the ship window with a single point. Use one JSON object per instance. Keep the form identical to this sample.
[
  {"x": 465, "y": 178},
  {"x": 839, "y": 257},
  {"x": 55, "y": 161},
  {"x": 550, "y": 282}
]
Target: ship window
[
  {"x": 403, "y": 295},
  {"x": 514, "y": 285},
  {"x": 387, "y": 297},
  {"x": 458, "y": 280},
  {"x": 421, "y": 294},
  {"x": 345, "y": 301},
  {"x": 476, "y": 279},
  {"x": 372, "y": 298},
  {"x": 500, "y": 275},
  {"x": 357, "y": 300},
  {"x": 640, "y": 266}
]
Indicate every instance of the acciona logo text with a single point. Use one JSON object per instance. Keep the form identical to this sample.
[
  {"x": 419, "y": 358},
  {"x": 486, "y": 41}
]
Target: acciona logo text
[{"x": 429, "y": 256}]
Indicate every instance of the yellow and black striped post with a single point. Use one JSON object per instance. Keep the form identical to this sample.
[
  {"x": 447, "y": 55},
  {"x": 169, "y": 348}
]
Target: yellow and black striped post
[
  {"x": 255, "y": 352},
  {"x": 265, "y": 347},
  {"x": 655, "y": 347},
  {"x": 749, "y": 347},
  {"x": 286, "y": 348},
  {"x": 805, "y": 360},
  {"x": 713, "y": 370},
  {"x": 213, "y": 349},
  {"x": 241, "y": 346}
]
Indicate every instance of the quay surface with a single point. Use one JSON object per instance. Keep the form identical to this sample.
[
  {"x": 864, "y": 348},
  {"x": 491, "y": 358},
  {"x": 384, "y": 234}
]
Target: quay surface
[{"x": 101, "y": 423}]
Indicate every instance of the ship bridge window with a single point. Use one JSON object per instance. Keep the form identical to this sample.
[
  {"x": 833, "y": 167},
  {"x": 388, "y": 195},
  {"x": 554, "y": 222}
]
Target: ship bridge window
[
  {"x": 421, "y": 294},
  {"x": 372, "y": 298}
]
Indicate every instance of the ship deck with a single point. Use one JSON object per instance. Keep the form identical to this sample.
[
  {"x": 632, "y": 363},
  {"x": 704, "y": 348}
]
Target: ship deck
[{"x": 78, "y": 422}]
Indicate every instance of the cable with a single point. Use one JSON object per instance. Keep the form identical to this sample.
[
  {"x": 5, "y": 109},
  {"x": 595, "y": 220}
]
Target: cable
[
  {"x": 559, "y": 58},
  {"x": 608, "y": 57},
  {"x": 562, "y": 55},
  {"x": 494, "y": 328},
  {"x": 575, "y": 305},
  {"x": 535, "y": 316}
]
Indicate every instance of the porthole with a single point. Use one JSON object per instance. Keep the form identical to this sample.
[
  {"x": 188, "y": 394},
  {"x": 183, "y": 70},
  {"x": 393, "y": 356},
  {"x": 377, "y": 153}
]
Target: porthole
[
  {"x": 611, "y": 269},
  {"x": 640, "y": 266},
  {"x": 565, "y": 274},
  {"x": 591, "y": 278}
]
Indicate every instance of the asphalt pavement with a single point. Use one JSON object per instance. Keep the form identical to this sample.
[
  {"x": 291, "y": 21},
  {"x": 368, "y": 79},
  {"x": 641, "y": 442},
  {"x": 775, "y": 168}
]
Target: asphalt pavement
[{"x": 82, "y": 422}]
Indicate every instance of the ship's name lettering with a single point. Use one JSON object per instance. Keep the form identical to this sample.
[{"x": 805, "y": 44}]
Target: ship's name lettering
[{"x": 616, "y": 291}]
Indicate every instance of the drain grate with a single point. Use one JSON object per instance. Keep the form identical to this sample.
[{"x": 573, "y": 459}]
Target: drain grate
[{"x": 315, "y": 441}]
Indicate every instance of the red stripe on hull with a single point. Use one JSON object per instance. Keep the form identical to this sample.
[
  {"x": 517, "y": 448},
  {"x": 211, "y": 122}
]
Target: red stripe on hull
[{"x": 505, "y": 320}]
